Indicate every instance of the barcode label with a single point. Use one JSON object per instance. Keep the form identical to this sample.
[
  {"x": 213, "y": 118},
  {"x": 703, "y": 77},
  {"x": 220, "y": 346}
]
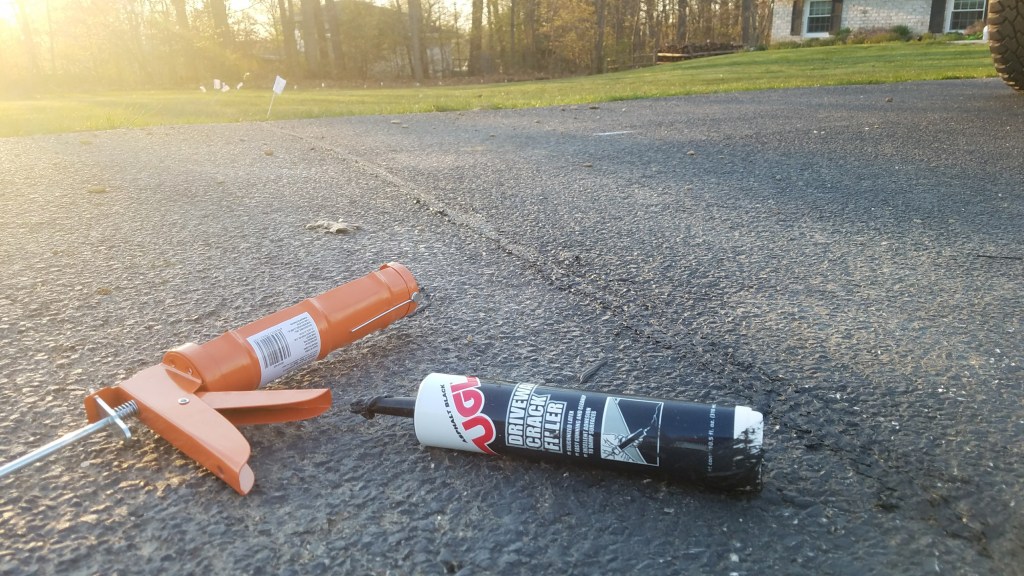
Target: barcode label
[
  {"x": 272, "y": 349},
  {"x": 286, "y": 346}
]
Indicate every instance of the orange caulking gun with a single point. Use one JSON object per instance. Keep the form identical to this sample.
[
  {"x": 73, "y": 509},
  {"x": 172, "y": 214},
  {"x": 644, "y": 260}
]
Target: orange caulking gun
[{"x": 199, "y": 393}]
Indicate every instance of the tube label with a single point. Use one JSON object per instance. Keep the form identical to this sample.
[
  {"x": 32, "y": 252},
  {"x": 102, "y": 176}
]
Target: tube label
[
  {"x": 631, "y": 430},
  {"x": 707, "y": 443},
  {"x": 286, "y": 346},
  {"x": 534, "y": 421},
  {"x": 452, "y": 408}
]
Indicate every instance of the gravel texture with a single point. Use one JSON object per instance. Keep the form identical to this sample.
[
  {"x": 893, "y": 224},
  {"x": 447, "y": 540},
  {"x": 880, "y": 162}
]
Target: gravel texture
[{"x": 847, "y": 260}]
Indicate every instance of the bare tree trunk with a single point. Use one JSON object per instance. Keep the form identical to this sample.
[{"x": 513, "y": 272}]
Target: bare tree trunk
[
  {"x": 458, "y": 58},
  {"x": 28, "y": 37},
  {"x": 219, "y": 11},
  {"x": 321, "y": 39},
  {"x": 415, "y": 38},
  {"x": 681, "y": 17},
  {"x": 495, "y": 36},
  {"x": 747, "y": 23},
  {"x": 597, "y": 66},
  {"x": 707, "y": 17},
  {"x": 333, "y": 16},
  {"x": 180, "y": 14},
  {"x": 652, "y": 29},
  {"x": 616, "y": 27},
  {"x": 637, "y": 35},
  {"x": 763, "y": 25},
  {"x": 530, "y": 34},
  {"x": 310, "y": 45},
  {"x": 476, "y": 39},
  {"x": 185, "y": 52},
  {"x": 287, "y": 32},
  {"x": 513, "y": 56},
  {"x": 406, "y": 45}
]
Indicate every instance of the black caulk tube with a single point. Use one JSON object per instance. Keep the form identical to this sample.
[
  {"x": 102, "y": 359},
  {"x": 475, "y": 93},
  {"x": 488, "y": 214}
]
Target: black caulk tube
[{"x": 709, "y": 445}]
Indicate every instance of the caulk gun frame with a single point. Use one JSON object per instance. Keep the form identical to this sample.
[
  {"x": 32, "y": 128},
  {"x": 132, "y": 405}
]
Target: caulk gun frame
[{"x": 199, "y": 394}]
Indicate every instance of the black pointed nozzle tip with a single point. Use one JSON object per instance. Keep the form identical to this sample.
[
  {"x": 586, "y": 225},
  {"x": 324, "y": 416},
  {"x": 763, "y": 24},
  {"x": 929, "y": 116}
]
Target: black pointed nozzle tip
[{"x": 392, "y": 406}]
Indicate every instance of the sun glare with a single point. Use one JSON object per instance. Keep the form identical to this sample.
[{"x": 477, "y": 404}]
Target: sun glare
[{"x": 8, "y": 13}]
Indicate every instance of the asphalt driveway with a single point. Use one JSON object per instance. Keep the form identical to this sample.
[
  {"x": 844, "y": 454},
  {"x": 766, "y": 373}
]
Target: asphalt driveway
[{"x": 849, "y": 261}]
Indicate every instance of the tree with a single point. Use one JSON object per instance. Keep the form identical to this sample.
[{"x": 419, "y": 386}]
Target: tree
[
  {"x": 681, "y": 14},
  {"x": 312, "y": 37},
  {"x": 513, "y": 56},
  {"x": 219, "y": 12},
  {"x": 496, "y": 35},
  {"x": 476, "y": 39},
  {"x": 331, "y": 13},
  {"x": 180, "y": 14},
  {"x": 597, "y": 66},
  {"x": 530, "y": 26},
  {"x": 161, "y": 43},
  {"x": 28, "y": 37},
  {"x": 288, "y": 32},
  {"x": 569, "y": 36},
  {"x": 416, "y": 47},
  {"x": 747, "y": 17}
]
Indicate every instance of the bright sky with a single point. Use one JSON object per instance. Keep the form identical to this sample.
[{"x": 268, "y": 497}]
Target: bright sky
[{"x": 7, "y": 12}]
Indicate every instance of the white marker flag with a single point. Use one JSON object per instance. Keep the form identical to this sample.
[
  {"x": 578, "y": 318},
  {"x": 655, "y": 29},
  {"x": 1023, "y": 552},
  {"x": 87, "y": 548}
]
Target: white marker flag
[{"x": 278, "y": 89}]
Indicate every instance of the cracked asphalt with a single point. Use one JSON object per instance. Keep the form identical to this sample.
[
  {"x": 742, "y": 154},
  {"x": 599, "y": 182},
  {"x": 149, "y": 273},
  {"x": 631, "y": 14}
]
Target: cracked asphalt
[{"x": 847, "y": 260}]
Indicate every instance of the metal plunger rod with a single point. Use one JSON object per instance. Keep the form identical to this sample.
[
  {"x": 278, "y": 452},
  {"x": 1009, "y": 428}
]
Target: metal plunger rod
[{"x": 115, "y": 417}]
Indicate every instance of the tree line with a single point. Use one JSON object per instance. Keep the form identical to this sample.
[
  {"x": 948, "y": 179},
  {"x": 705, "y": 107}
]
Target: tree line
[{"x": 96, "y": 44}]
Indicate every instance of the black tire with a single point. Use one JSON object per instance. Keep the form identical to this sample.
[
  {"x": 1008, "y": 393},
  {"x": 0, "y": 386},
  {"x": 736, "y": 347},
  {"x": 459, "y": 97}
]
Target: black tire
[{"x": 1006, "y": 40}]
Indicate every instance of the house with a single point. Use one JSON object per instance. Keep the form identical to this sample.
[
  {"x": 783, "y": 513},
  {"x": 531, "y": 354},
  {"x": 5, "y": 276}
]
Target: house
[{"x": 800, "y": 19}]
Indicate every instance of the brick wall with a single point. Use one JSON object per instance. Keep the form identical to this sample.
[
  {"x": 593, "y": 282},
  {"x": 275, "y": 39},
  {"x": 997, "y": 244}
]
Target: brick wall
[
  {"x": 861, "y": 14},
  {"x": 887, "y": 13},
  {"x": 782, "y": 18}
]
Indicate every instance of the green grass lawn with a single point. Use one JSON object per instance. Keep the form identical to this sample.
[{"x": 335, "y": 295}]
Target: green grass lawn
[{"x": 773, "y": 69}]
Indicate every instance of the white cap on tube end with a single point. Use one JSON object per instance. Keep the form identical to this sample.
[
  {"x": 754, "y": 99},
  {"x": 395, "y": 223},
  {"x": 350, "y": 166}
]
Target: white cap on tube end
[{"x": 748, "y": 426}]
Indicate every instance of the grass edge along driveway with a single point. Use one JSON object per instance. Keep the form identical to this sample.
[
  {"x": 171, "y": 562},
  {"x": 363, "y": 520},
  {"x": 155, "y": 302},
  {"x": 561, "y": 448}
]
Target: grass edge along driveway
[{"x": 772, "y": 69}]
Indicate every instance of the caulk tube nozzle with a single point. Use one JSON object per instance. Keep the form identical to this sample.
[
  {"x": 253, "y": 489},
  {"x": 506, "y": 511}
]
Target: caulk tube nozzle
[
  {"x": 715, "y": 446},
  {"x": 392, "y": 406}
]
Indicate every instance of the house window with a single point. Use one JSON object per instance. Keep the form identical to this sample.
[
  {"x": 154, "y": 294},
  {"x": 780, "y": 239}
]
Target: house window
[
  {"x": 819, "y": 16},
  {"x": 966, "y": 12}
]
